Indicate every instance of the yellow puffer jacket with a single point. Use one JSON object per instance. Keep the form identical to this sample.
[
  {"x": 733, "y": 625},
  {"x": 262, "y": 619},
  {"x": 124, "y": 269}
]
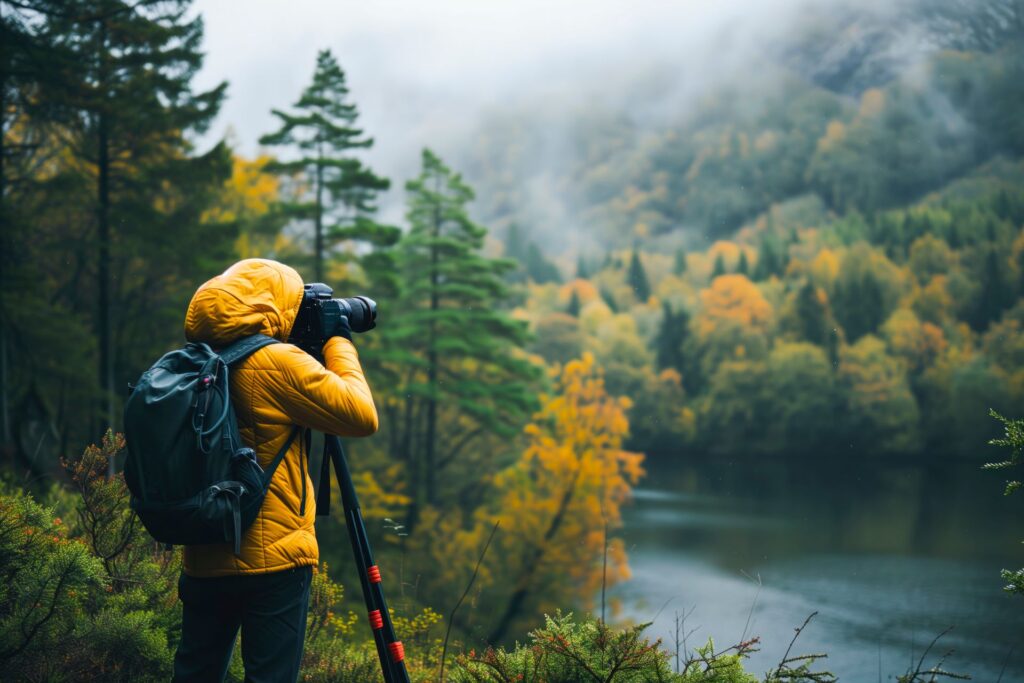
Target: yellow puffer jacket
[{"x": 275, "y": 388}]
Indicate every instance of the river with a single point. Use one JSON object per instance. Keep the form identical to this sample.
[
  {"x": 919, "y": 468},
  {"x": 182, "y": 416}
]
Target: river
[{"x": 888, "y": 553}]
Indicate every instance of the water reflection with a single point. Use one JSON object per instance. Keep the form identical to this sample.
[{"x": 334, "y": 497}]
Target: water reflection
[{"x": 889, "y": 554}]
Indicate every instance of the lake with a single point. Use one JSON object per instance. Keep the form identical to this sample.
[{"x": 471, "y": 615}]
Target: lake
[{"x": 889, "y": 553}]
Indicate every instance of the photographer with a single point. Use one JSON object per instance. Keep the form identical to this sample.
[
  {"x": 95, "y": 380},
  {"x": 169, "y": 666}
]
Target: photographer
[{"x": 264, "y": 590}]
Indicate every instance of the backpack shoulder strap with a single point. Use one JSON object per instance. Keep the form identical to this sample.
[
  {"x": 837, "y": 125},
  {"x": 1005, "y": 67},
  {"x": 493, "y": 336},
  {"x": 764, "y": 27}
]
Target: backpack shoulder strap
[
  {"x": 245, "y": 347},
  {"x": 269, "y": 472}
]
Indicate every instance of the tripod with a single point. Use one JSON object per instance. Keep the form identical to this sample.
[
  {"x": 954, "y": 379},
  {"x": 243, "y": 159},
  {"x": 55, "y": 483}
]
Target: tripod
[{"x": 389, "y": 648}]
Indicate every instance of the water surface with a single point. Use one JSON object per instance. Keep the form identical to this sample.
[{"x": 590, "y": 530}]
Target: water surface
[{"x": 889, "y": 553}]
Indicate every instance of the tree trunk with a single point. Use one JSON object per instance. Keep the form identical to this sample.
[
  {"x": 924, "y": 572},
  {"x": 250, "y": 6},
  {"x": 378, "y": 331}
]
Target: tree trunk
[
  {"x": 4, "y": 399},
  {"x": 5, "y": 247},
  {"x": 435, "y": 301},
  {"x": 318, "y": 249},
  {"x": 106, "y": 360}
]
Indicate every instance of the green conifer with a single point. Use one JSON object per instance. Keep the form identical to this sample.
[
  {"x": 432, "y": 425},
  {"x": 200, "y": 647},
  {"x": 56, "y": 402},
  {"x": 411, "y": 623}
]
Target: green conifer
[
  {"x": 582, "y": 269},
  {"x": 458, "y": 344},
  {"x": 342, "y": 190},
  {"x": 769, "y": 261},
  {"x": 672, "y": 333},
  {"x": 719, "y": 267},
  {"x": 679, "y": 265},
  {"x": 538, "y": 268},
  {"x": 119, "y": 86},
  {"x": 743, "y": 268},
  {"x": 636, "y": 277},
  {"x": 573, "y": 308}
]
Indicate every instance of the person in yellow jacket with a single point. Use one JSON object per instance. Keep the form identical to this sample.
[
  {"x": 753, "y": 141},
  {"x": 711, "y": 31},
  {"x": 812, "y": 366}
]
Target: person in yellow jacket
[{"x": 264, "y": 590}]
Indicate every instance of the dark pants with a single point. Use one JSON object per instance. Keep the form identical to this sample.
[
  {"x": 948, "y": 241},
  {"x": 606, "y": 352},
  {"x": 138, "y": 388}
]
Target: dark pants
[{"x": 269, "y": 608}]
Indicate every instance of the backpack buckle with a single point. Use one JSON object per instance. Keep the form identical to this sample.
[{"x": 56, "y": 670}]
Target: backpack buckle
[{"x": 205, "y": 382}]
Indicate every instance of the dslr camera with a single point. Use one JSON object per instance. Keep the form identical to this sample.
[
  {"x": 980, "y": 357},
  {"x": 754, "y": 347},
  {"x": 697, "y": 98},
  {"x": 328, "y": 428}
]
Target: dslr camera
[{"x": 320, "y": 315}]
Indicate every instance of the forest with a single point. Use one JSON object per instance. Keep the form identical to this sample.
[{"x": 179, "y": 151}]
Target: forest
[{"x": 803, "y": 264}]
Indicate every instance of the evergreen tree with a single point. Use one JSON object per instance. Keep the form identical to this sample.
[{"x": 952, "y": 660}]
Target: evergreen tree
[
  {"x": 668, "y": 343},
  {"x": 679, "y": 265},
  {"x": 340, "y": 202},
  {"x": 997, "y": 290},
  {"x": 859, "y": 305},
  {"x": 124, "y": 103},
  {"x": 743, "y": 268},
  {"x": 515, "y": 243},
  {"x": 609, "y": 299},
  {"x": 573, "y": 308},
  {"x": 813, "y": 315},
  {"x": 769, "y": 260},
  {"x": 636, "y": 277},
  {"x": 530, "y": 261},
  {"x": 582, "y": 269},
  {"x": 719, "y": 267},
  {"x": 538, "y": 268},
  {"x": 515, "y": 249},
  {"x": 26, "y": 61},
  {"x": 461, "y": 358}
]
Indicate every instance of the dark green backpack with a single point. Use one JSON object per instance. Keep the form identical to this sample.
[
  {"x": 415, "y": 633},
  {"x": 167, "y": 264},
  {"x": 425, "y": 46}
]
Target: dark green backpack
[{"x": 192, "y": 480}]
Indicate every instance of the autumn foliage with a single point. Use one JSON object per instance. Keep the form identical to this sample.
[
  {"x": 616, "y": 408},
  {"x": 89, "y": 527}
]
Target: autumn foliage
[
  {"x": 571, "y": 481},
  {"x": 552, "y": 504}
]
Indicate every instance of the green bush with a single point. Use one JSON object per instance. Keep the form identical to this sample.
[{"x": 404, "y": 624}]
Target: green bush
[
  {"x": 1013, "y": 439},
  {"x": 567, "y": 651},
  {"x": 47, "y": 584},
  {"x": 88, "y": 595}
]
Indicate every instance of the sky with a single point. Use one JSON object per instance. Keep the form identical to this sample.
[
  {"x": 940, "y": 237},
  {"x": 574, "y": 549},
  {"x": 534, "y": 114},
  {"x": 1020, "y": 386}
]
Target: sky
[
  {"x": 422, "y": 72},
  {"x": 425, "y": 73}
]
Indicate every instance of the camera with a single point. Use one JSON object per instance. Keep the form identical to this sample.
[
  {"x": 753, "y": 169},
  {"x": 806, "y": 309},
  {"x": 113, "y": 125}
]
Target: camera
[{"x": 320, "y": 315}]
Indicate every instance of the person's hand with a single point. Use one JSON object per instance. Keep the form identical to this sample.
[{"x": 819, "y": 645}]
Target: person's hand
[{"x": 342, "y": 328}]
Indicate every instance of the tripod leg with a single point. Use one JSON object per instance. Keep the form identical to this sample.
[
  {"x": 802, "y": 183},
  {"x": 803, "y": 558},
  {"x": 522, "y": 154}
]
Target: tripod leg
[{"x": 389, "y": 649}]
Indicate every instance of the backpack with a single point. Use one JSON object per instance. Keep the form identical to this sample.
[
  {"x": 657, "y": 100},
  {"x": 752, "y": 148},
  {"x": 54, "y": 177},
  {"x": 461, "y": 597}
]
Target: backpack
[{"x": 192, "y": 480}]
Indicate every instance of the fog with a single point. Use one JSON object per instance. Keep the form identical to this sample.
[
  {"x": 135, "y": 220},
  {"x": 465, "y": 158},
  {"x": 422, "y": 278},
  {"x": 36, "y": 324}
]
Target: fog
[{"x": 426, "y": 74}]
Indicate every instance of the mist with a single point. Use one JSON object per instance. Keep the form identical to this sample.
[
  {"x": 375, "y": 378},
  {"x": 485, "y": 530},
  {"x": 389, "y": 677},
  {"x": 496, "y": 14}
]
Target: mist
[{"x": 439, "y": 74}]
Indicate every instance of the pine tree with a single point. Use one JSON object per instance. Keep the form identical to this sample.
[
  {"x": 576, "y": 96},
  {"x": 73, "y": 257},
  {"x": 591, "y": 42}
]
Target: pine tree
[
  {"x": 463, "y": 378},
  {"x": 582, "y": 269},
  {"x": 538, "y": 268},
  {"x": 515, "y": 243},
  {"x": 997, "y": 290},
  {"x": 609, "y": 299},
  {"x": 719, "y": 267},
  {"x": 669, "y": 341},
  {"x": 573, "y": 308},
  {"x": 859, "y": 305},
  {"x": 26, "y": 60},
  {"x": 125, "y": 104},
  {"x": 679, "y": 265},
  {"x": 812, "y": 314},
  {"x": 343, "y": 190},
  {"x": 743, "y": 268},
  {"x": 636, "y": 277},
  {"x": 769, "y": 262}
]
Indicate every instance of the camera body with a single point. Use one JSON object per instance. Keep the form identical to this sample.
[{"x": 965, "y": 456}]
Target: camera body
[{"x": 320, "y": 314}]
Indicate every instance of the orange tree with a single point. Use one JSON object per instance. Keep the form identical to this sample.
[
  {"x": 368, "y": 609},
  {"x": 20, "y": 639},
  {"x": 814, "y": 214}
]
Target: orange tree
[{"x": 553, "y": 505}]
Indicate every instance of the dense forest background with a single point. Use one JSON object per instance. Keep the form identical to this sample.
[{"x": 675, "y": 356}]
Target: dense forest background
[{"x": 823, "y": 258}]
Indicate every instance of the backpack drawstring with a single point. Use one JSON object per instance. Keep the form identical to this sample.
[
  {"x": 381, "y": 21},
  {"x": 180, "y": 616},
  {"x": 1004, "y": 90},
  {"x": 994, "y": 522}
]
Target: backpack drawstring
[{"x": 199, "y": 417}]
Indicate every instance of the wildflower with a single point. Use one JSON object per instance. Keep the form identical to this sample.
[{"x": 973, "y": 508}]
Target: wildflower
[{"x": 57, "y": 521}]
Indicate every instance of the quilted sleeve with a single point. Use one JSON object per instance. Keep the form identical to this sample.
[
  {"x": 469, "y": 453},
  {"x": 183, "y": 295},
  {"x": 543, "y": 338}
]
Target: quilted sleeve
[{"x": 333, "y": 398}]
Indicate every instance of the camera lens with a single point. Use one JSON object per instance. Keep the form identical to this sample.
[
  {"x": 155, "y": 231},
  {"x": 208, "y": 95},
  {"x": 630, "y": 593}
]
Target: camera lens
[{"x": 361, "y": 312}]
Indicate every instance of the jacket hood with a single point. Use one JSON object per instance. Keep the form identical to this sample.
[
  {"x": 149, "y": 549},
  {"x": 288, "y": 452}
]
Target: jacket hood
[{"x": 252, "y": 296}]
